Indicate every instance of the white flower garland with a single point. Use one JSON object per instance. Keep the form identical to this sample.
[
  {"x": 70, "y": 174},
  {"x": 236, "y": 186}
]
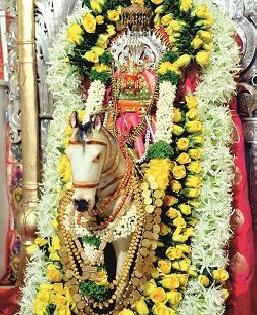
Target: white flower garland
[
  {"x": 213, "y": 230},
  {"x": 95, "y": 99},
  {"x": 64, "y": 84},
  {"x": 34, "y": 276},
  {"x": 164, "y": 114}
]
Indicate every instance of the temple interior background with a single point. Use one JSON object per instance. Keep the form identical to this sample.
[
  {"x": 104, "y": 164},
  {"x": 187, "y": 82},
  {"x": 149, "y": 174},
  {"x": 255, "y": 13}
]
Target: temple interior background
[{"x": 48, "y": 16}]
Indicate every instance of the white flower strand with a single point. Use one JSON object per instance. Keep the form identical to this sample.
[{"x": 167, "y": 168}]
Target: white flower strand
[
  {"x": 213, "y": 231},
  {"x": 34, "y": 276},
  {"x": 164, "y": 114},
  {"x": 94, "y": 103}
]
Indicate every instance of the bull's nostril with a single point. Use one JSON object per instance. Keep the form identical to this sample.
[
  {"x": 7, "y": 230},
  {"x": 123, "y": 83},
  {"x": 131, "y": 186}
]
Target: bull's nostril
[{"x": 81, "y": 205}]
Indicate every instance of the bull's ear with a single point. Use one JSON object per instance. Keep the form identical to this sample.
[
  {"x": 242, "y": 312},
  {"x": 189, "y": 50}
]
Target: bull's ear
[
  {"x": 98, "y": 122},
  {"x": 74, "y": 121}
]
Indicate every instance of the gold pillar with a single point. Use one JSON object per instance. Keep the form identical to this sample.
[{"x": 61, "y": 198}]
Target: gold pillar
[{"x": 29, "y": 123}]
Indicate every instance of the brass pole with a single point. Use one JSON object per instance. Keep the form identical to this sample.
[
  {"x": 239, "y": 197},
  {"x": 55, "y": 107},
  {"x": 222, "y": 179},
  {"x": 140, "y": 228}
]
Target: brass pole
[{"x": 29, "y": 124}]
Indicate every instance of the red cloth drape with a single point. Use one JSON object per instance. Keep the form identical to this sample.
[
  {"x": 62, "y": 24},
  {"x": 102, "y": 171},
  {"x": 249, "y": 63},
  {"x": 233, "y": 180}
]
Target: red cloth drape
[
  {"x": 9, "y": 301},
  {"x": 241, "y": 247}
]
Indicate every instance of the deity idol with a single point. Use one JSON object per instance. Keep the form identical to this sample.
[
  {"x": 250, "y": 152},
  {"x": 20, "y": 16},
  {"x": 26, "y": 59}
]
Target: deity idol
[{"x": 142, "y": 213}]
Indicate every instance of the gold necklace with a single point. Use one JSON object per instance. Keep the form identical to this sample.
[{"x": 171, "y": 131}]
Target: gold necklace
[{"x": 72, "y": 251}]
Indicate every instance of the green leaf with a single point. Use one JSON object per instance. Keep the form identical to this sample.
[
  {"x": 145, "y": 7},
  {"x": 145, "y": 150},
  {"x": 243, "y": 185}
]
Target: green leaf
[
  {"x": 159, "y": 150},
  {"x": 91, "y": 289}
]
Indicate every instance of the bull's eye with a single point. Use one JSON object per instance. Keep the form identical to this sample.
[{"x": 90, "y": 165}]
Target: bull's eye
[{"x": 97, "y": 158}]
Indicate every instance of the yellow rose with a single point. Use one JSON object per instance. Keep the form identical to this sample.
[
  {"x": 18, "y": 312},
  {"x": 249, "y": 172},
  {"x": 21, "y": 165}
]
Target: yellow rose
[
  {"x": 155, "y": 274},
  {"x": 183, "y": 144},
  {"x": 40, "y": 241},
  {"x": 166, "y": 67},
  {"x": 183, "y": 279},
  {"x": 204, "y": 280},
  {"x": 164, "y": 266},
  {"x": 102, "y": 278},
  {"x": 193, "y": 181},
  {"x": 74, "y": 34},
  {"x": 149, "y": 287},
  {"x": 101, "y": 68},
  {"x": 172, "y": 213},
  {"x": 158, "y": 295},
  {"x": 179, "y": 172},
  {"x": 161, "y": 308},
  {"x": 185, "y": 209},
  {"x": 31, "y": 249},
  {"x": 55, "y": 243},
  {"x": 177, "y": 115},
  {"x": 58, "y": 288},
  {"x": 208, "y": 46},
  {"x": 195, "y": 167},
  {"x": 157, "y": 21},
  {"x": 160, "y": 9},
  {"x": 165, "y": 230},
  {"x": 192, "y": 192},
  {"x": 113, "y": 15},
  {"x": 54, "y": 256},
  {"x": 138, "y": 2},
  {"x": 184, "y": 248},
  {"x": 205, "y": 36},
  {"x": 55, "y": 224},
  {"x": 102, "y": 40},
  {"x": 175, "y": 186},
  {"x": 53, "y": 274},
  {"x": 183, "y": 61},
  {"x": 99, "y": 19},
  {"x": 182, "y": 265},
  {"x": 202, "y": 11},
  {"x": 208, "y": 22},
  {"x": 193, "y": 126},
  {"x": 195, "y": 153},
  {"x": 126, "y": 312},
  {"x": 96, "y": 6},
  {"x": 141, "y": 307},
  {"x": 45, "y": 287},
  {"x": 203, "y": 58},
  {"x": 65, "y": 168},
  {"x": 89, "y": 23},
  {"x": 220, "y": 275},
  {"x": 174, "y": 26},
  {"x": 166, "y": 19},
  {"x": 174, "y": 253},
  {"x": 91, "y": 56},
  {"x": 192, "y": 114},
  {"x": 39, "y": 308},
  {"x": 225, "y": 294},
  {"x": 180, "y": 222},
  {"x": 177, "y": 130},
  {"x": 183, "y": 158},
  {"x": 169, "y": 201},
  {"x": 185, "y": 5},
  {"x": 157, "y": 1},
  {"x": 174, "y": 297},
  {"x": 111, "y": 30},
  {"x": 197, "y": 42},
  {"x": 170, "y": 282},
  {"x": 197, "y": 139},
  {"x": 191, "y": 102}
]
